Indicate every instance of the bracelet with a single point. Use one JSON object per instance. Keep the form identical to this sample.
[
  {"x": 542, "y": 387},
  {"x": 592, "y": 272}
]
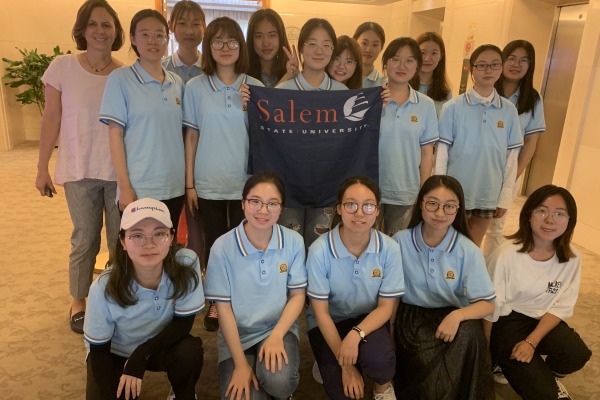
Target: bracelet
[
  {"x": 532, "y": 345},
  {"x": 190, "y": 188}
]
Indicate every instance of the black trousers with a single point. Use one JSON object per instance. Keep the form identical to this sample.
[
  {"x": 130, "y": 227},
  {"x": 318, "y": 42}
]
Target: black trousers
[
  {"x": 565, "y": 350},
  {"x": 218, "y": 217},
  {"x": 182, "y": 362}
]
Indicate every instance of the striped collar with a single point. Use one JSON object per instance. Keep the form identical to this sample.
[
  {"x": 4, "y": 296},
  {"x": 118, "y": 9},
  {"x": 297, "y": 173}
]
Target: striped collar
[
  {"x": 144, "y": 77},
  {"x": 473, "y": 99},
  {"x": 338, "y": 250},
  {"x": 217, "y": 85},
  {"x": 246, "y": 248},
  {"x": 303, "y": 84},
  {"x": 446, "y": 245},
  {"x": 178, "y": 63},
  {"x": 373, "y": 76},
  {"x": 413, "y": 96}
]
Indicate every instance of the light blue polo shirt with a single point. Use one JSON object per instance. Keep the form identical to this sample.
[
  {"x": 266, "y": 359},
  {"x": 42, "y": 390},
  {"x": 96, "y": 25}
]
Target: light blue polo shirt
[
  {"x": 403, "y": 130},
  {"x": 351, "y": 285},
  {"x": 215, "y": 110},
  {"x": 373, "y": 79},
  {"x": 174, "y": 64},
  {"x": 451, "y": 274},
  {"x": 424, "y": 87},
  {"x": 531, "y": 122},
  {"x": 479, "y": 137},
  {"x": 127, "y": 328},
  {"x": 300, "y": 83},
  {"x": 255, "y": 282},
  {"x": 150, "y": 114}
]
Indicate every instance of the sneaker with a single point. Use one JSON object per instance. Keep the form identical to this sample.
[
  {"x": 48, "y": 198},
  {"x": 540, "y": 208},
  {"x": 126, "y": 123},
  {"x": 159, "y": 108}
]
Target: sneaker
[
  {"x": 562, "y": 392},
  {"x": 387, "y": 395},
  {"x": 317, "y": 373},
  {"x": 171, "y": 395},
  {"x": 499, "y": 375},
  {"x": 211, "y": 320}
]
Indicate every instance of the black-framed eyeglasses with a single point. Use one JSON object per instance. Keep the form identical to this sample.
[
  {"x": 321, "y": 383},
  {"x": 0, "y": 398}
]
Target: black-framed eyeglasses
[
  {"x": 232, "y": 44},
  {"x": 367, "y": 208},
  {"x": 158, "y": 238},
  {"x": 483, "y": 67},
  {"x": 433, "y": 206},
  {"x": 257, "y": 205}
]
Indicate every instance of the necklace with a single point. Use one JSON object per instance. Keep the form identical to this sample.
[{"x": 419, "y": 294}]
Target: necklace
[{"x": 96, "y": 69}]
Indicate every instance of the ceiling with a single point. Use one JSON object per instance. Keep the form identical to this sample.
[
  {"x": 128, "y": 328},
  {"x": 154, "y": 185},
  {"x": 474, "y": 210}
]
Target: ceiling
[{"x": 364, "y": 2}]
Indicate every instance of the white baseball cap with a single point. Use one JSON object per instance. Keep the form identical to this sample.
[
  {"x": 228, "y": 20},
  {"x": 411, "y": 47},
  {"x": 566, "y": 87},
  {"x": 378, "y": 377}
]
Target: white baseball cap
[{"x": 146, "y": 208}]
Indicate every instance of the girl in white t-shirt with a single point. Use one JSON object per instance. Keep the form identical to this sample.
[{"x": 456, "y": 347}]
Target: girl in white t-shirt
[{"x": 537, "y": 275}]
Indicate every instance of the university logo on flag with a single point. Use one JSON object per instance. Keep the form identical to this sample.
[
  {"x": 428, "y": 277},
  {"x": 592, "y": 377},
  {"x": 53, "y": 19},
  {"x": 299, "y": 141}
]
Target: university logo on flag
[{"x": 314, "y": 139}]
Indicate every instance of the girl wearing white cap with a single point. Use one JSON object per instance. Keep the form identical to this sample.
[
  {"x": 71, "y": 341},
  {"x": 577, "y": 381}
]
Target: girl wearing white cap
[{"x": 140, "y": 310}]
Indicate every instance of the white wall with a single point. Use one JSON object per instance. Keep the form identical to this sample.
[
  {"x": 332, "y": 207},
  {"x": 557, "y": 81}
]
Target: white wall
[{"x": 578, "y": 159}]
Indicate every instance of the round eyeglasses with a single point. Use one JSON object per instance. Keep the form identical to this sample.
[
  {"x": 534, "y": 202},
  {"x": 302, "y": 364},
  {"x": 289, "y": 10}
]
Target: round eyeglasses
[
  {"x": 232, "y": 44},
  {"x": 257, "y": 205},
  {"x": 558, "y": 216},
  {"x": 158, "y": 38},
  {"x": 158, "y": 238},
  {"x": 348, "y": 62},
  {"x": 433, "y": 206},
  {"x": 352, "y": 208},
  {"x": 521, "y": 62}
]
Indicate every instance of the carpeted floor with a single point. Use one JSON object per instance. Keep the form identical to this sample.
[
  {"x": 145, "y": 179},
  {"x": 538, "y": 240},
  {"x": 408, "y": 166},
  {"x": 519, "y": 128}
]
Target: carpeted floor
[{"x": 40, "y": 358}]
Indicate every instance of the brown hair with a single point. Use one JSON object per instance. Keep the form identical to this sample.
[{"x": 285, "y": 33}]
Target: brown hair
[
  {"x": 83, "y": 17},
  {"x": 439, "y": 88},
  {"x": 347, "y": 43},
  {"x": 433, "y": 182},
  {"x": 279, "y": 64},
  {"x": 370, "y": 26},
  {"x": 524, "y": 235},
  {"x": 223, "y": 25}
]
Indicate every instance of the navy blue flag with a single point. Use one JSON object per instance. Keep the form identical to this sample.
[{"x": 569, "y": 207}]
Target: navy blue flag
[{"x": 314, "y": 139}]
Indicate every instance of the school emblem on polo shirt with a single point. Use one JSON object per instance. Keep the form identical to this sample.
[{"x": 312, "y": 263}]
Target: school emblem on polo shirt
[
  {"x": 413, "y": 118},
  {"x": 450, "y": 275},
  {"x": 283, "y": 268},
  {"x": 500, "y": 124},
  {"x": 376, "y": 272},
  {"x": 178, "y": 101}
]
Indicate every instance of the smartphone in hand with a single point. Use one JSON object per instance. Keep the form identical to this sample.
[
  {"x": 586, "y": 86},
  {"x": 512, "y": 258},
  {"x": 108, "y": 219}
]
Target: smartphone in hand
[{"x": 48, "y": 191}]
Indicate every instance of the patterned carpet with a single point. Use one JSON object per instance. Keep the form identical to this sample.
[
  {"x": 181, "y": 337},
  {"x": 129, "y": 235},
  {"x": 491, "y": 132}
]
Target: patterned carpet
[{"x": 40, "y": 358}]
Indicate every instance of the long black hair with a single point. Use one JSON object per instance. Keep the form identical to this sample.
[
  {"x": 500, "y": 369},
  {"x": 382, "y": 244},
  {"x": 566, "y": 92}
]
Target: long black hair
[
  {"x": 280, "y": 61},
  {"x": 439, "y": 88},
  {"x": 528, "y": 96},
  {"x": 120, "y": 274},
  {"x": 524, "y": 235},
  {"x": 433, "y": 182},
  {"x": 355, "y": 180}
]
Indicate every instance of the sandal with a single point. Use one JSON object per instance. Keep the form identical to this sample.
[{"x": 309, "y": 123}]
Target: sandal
[{"x": 76, "y": 321}]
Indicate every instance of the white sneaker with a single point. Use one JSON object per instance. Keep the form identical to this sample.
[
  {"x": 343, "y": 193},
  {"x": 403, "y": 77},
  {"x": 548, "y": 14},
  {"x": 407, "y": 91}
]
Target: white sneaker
[
  {"x": 317, "y": 373},
  {"x": 562, "y": 392},
  {"x": 499, "y": 376},
  {"x": 387, "y": 395},
  {"x": 171, "y": 395}
]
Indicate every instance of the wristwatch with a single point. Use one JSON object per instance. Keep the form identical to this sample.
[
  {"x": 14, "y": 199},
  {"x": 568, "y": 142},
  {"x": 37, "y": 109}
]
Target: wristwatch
[{"x": 360, "y": 332}]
